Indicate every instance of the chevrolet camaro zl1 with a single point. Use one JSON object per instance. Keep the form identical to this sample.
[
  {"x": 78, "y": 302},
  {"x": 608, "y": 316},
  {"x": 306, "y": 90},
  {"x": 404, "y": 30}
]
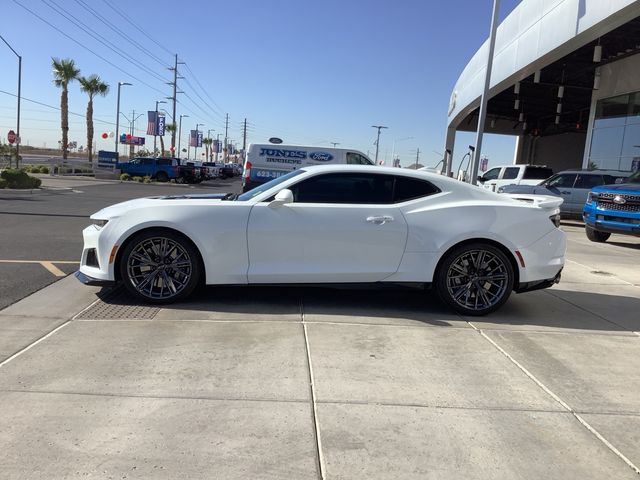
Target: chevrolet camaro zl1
[{"x": 332, "y": 224}]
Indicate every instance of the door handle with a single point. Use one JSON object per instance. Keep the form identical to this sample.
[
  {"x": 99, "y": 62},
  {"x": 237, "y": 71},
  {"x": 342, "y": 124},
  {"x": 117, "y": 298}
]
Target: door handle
[
  {"x": 564, "y": 192},
  {"x": 381, "y": 220}
]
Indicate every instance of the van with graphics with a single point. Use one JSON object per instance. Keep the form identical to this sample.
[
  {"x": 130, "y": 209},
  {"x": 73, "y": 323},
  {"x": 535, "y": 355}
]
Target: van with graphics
[{"x": 264, "y": 162}]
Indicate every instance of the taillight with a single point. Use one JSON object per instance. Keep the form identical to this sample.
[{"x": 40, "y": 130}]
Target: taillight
[
  {"x": 247, "y": 172},
  {"x": 555, "y": 219}
]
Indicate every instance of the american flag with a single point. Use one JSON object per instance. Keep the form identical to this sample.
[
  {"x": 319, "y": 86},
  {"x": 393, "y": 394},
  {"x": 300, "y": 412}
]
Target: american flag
[{"x": 152, "y": 122}]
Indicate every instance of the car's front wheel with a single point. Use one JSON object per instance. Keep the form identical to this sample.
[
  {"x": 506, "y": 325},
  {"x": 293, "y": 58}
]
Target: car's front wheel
[
  {"x": 160, "y": 266},
  {"x": 596, "y": 236},
  {"x": 474, "y": 279}
]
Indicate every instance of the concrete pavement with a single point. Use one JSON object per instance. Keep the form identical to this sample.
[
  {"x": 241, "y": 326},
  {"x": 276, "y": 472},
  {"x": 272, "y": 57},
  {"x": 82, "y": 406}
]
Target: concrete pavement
[{"x": 296, "y": 383}]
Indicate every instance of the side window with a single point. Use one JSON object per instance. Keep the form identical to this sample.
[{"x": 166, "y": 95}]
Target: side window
[
  {"x": 134, "y": 161},
  {"x": 354, "y": 188},
  {"x": 565, "y": 180},
  {"x": 147, "y": 161},
  {"x": 589, "y": 181},
  {"x": 510, "y": 173},
  {"x": 610, "y": 179},
  {"x": 357, "y": 159},
  {"x": 492, "y": 174},
  {"x": 537, "y": 173},
  {"x": 407, "y": 188}
]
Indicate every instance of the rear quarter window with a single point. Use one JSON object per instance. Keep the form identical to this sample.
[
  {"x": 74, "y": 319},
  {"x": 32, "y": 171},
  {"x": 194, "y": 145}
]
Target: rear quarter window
[
  {"x": 537, "y": 173},
  {"x": 407, "y": 188}
]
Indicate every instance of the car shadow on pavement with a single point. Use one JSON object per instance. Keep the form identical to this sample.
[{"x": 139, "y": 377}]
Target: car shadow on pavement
[{"x": 544, "y": 309}]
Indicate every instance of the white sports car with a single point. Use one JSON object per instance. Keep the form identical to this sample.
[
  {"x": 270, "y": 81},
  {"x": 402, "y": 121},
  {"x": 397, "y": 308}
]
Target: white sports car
[{"x": 332, "y": 224}]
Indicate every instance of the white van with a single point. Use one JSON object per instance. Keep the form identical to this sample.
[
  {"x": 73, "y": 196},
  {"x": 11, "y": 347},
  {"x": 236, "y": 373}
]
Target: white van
[
  {"x": 514, "y": 175},
  {"x": 265, "y": 162}
]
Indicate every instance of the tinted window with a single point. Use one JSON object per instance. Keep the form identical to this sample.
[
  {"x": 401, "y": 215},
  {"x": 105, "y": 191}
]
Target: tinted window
[
  {"x": 537, "y": 173},
  {"x": 357, "y": 188},
  {"x": 266, "y": 186},
  {"x": 492, "y": 174},
  {"x": 610, "y": 179},
  {"x": 407, "y": 188},
  {"x": 165, "y": 161},
  {"x": 147, "y": 161},
  {"x": 562, "y": 180},
  {"x": 586, "y": 180},
  {"x": 510, "y": 173}
]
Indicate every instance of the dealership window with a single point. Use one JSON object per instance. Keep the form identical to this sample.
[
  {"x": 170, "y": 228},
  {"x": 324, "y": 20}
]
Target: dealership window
[{"x": 615, "y": 140}]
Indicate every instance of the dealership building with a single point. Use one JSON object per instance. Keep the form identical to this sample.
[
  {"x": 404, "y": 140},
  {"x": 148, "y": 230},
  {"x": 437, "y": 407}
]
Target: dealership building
[{"x": 565, "y": 81}]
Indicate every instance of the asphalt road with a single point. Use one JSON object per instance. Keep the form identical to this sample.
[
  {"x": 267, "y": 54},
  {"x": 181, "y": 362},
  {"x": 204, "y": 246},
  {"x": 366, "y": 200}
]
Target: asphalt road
[{"x": 47, "y": 227}]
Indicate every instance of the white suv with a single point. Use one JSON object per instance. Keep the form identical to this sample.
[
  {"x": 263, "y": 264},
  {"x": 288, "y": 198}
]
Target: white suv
[{"x": 514, "y": 175}]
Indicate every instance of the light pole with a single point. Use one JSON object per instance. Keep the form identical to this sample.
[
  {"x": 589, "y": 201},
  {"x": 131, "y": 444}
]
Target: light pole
[
  {"x": 19, "y": 89},
  {"x": 334, "y": 144},
  {"x": 379, "y": 127},
  {"x": 155, "y": 128},
  {"x": 120, "y": 84},
  {"x": 208, "y": 144},
  {"x": 393, "y": 150},
  {"x": 195, "y": 147},
  {"x": 179, "y": 133}
]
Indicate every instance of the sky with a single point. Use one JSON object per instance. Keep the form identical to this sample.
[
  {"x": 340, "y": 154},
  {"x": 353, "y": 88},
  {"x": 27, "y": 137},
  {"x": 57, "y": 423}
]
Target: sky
[{"x": 309, "y": 72}]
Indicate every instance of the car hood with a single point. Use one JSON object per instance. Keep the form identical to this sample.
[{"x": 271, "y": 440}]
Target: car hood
[
  {"x": 621, "y": 187},
  {"x": 117, "y": 210}
]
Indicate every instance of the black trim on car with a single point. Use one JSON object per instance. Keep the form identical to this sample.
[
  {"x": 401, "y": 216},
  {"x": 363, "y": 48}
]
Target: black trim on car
[
  {"x": 87, "y": 280},
  {"x": 538, "y": 284}
]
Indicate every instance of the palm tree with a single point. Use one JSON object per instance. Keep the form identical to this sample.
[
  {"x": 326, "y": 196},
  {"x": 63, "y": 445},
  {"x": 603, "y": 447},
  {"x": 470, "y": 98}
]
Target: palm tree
[
  {"x": 64, "y": 71},
  {"x": 169, "y": 127},
  {"x": 92, "y": 86},
  {"x": 207, "y": 144}
]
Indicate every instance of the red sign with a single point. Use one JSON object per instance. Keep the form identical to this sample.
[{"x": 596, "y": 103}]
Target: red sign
[{"x": 11, "y": 137}]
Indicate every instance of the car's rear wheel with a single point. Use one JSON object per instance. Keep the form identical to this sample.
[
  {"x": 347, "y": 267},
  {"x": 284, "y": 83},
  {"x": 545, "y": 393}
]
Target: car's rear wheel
[
  {"x": 475, "y": 279},
  {"x": 160, "y": 266},
  {"x": 162, "y": 177},
  {"x": 596, "y": 236}
]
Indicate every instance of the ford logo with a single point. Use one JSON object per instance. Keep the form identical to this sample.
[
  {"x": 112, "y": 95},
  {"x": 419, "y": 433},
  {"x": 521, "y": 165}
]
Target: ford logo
[
  {"x": 321, "y": 156},
  {"x": 618, "y": 199}
]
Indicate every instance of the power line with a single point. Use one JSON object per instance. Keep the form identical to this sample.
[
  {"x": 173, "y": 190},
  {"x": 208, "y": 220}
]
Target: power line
[
  {"x": 137, "y": 27},
  {"x": 120, "y": 32},
  {"x": 203, "y": 89},
  {"x": 202, "y": 99},
  {"x": 87, "y": 48},
  {"x": 107, "y": 43}
]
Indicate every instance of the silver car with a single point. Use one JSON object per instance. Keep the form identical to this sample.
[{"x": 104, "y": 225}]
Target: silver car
[{"x": 572, "y": 185}]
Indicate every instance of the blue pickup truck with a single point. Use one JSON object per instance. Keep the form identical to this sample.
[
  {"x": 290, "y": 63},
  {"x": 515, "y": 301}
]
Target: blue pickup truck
[
  {"x": 162, "y": 169},
  {"x": 613, "y": 209}
]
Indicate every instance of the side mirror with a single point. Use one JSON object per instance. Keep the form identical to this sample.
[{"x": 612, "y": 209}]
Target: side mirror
[
  {"x": 282, "y": 198},
  {"x": 481, "y": 179}
]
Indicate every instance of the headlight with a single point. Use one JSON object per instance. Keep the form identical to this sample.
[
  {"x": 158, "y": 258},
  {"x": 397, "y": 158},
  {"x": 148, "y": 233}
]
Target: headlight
[
  {"x": 98, "y": 223},
  {"x": 591, "y": 197}
]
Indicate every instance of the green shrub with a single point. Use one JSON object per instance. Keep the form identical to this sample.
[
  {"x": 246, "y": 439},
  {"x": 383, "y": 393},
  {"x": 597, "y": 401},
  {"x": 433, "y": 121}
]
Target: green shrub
[
  {"x": 44, "y": 169},
  {"x": 3, "y": 183},
  {"x": 18, "y": 178},
  {"x": 136, "y": 179},
  {"x": 125, "y": 177},
  {"x": 146, "y": 179},
  {"x": 35, "y": 169}
]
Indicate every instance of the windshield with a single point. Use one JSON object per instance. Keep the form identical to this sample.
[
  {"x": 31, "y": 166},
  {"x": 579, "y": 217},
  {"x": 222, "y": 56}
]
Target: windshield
[
  {"x": 635, "y": 178},
  {"x": 266, "y": 186}
]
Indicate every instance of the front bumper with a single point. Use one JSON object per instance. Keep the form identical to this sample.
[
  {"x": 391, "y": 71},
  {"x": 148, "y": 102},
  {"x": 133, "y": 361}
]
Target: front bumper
[
  {"x": 609, "y": 221},
  {"x": 94, "y": 263},
  {"x": 87, "y": 280}
]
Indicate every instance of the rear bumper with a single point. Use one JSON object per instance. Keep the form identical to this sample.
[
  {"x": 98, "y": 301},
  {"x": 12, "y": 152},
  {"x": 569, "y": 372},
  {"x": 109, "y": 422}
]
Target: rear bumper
[
  {"x": 87, "y": 280},
  {"x": 538, "y": 285}
]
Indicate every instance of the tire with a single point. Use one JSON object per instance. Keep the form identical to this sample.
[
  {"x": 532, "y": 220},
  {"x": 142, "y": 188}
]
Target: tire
[
  {"x": 162, "y": 177},
  {"x": 596, "y": 236},
  {"x": 160, "y": 266},
  {"x": 459, "y": 279}
]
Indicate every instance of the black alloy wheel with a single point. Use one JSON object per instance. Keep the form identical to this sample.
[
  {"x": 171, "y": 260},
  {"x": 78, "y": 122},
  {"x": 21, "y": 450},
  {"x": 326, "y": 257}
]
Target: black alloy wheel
[
  {"x": 475, "y": 279},
  {"x": 162, "y": 177},
  {"x": 160, "y": 266}
]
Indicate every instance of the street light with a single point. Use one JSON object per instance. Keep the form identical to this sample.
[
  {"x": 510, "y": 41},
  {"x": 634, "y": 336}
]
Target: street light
[
  {"x": 179, "y": 133},
  {"x": 208, "y": 144},
  {"x": 155, "y": 128},
  {"x": 379, "y": 127},
  {"x": 393, "y": 150},
  {"x": 19, "y": 88},
  {"x": 195, "y": 147},
  {"x": 120, "y": 84}
]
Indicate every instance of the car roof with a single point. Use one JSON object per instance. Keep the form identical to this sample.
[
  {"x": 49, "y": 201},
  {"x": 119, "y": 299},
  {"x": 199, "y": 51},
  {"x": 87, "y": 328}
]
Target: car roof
[{"x": 619, "y": 173}]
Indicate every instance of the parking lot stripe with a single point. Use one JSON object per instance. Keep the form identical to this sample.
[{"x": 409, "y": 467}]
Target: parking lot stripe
[
  {"x": 53, "y": 269},
  {"x": 62, "y": 262},
  {"x": 564, "y": 404}
]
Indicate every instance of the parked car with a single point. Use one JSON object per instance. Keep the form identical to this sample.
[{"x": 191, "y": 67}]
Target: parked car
[
  {"x": 332, "y": 224},
  {"x": 162, "y": 169},
  {"x": 497, "y": 177},
  {"x": 572, "y": 185},
  {"x": 613, "y": 209}
]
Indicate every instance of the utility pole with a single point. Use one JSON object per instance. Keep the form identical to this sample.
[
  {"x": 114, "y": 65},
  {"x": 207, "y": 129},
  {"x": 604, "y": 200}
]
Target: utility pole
[
  {"x": 179, "y": 135},
  {"x": 18, "y": 139},
  {"x": 174, "y": 99},
  {"x": 226, "y": 131},
  {"x": 217, "y": 146},
  {"x": 379, "y": 127},
  {"x": 244, "y": 137},
  {"x": 417, "y": 157}
]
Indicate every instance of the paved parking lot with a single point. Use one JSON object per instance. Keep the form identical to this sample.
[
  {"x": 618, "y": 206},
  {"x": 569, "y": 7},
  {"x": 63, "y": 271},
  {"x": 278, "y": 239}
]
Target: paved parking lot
[{"x": 298, "y": 383}]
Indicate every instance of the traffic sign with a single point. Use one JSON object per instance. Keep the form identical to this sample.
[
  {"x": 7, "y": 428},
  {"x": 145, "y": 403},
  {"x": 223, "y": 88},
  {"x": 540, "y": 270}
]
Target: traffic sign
[{"x": 11, "y": 137}]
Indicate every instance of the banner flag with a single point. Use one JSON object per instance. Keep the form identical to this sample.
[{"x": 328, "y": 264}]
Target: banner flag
[
  {"x": 200, "y": 135},
  {"x": 192, "y": 138},
  {"x": 152, "y": 123},
  {"x": 161, "y": 124}
]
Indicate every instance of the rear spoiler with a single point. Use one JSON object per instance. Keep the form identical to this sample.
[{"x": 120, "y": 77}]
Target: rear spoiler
[{"x": 546, "y": 202}]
